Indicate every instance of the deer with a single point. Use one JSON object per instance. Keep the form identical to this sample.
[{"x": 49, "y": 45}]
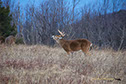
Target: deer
[
  {"x": 10, "y": 40},
  {"x": 72, "y": 45}
]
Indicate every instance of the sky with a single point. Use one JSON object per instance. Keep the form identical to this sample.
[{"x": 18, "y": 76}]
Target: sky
[
  {"x": 23, "y": 3},
  {"x": 37, "y": 2}
]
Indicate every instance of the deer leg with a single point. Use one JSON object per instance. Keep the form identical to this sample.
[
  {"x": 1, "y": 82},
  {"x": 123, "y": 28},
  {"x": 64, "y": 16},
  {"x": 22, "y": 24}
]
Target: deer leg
[
  {"x": 68, "y": 52},
  {"x": 13, "y": 43},
  {"x": 86, "y": 51}
]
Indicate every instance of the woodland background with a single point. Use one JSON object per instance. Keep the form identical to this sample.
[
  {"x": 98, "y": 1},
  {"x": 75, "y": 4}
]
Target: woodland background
[{"x": 103, "y": 23}]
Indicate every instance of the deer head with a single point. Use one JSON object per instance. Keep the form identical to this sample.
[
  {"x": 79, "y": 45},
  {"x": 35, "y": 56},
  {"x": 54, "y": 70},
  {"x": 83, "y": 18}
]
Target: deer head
[{"x": 58, "y": 37}]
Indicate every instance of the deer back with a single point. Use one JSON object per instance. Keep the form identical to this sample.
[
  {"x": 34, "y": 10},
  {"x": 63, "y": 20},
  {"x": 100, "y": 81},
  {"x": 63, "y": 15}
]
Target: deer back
[{"x": 75, "y": 45}]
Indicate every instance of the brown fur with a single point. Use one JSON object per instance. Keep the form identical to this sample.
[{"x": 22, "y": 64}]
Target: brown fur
[
  {"x": 10, "y": 40},
  {"x": 2, "y": 39},
  {"x": 73, "y": 45}
]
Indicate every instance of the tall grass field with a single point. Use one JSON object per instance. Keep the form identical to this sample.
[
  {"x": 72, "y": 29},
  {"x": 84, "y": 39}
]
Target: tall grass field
[{"x": 39, "y": 64}]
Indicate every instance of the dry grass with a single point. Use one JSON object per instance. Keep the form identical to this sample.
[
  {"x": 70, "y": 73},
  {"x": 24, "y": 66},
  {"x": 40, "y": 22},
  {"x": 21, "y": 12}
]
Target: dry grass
[{"x": 37, "y": 64}]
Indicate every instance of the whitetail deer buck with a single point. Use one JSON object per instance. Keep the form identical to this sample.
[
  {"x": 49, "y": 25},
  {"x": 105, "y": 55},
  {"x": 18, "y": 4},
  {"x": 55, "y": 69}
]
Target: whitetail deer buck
[
  {"x": 10, "y": 40},
  {"x": 72, "y": 45}
]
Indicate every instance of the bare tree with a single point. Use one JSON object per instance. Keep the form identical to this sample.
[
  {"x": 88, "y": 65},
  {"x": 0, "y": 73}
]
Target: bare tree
[{"x": 99, "y": 22}]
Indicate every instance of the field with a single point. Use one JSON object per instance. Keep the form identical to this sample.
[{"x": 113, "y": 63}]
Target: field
[{"x": 39, "y": 64}]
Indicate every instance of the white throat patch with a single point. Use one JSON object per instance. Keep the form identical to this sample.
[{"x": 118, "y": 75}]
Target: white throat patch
[{"x": 60, "y": 37}]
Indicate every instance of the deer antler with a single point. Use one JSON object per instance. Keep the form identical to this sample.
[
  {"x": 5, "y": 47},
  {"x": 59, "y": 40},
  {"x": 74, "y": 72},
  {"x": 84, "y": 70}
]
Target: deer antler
[{"x": 61, "y": 33}]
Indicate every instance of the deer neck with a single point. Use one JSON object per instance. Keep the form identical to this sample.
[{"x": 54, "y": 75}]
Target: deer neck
[{"x": 62, "y": 42}]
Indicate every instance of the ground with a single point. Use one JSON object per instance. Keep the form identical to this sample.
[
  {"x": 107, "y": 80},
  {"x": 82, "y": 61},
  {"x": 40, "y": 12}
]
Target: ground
[{"x": 39, "y": 64}]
